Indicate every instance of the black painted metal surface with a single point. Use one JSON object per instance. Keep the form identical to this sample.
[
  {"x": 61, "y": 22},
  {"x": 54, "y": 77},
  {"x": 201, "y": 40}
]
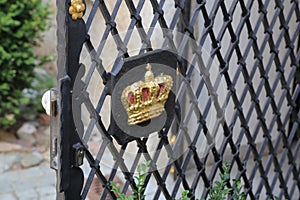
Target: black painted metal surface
[{"x": 244, "y": 104}]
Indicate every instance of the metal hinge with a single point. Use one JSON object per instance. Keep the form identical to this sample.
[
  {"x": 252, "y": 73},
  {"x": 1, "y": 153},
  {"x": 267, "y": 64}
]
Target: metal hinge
[{"x": 78, "y": 155}]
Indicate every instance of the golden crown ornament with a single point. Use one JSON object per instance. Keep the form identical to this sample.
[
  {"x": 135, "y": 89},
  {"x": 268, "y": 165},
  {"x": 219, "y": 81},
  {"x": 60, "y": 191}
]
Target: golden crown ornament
[{"x": 146, "y": 100}]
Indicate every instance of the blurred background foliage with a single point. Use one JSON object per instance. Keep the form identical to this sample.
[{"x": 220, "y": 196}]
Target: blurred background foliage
[{"x": 22, "y": 81}]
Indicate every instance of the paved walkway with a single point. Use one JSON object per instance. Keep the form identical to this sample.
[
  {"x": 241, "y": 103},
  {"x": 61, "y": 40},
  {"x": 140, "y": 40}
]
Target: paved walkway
[
  {"x": 38, "y": 183},
  {"x": 28, "y": 184}
]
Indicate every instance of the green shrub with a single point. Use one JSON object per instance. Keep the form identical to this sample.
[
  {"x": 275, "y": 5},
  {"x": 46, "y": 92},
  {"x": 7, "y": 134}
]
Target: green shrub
[
  {"x": 219, "y": 191},
  {"x": 21, "y": 27},
  {"x": 140, "y": 178}
]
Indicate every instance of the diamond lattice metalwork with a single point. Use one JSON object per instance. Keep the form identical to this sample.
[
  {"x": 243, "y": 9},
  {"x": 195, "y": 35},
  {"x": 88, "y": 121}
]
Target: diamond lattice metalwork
[{"x": 238, "y": 96}]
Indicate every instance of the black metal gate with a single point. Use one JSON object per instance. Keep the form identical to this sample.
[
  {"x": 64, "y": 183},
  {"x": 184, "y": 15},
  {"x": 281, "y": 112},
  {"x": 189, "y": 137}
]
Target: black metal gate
[{"x": 235, "y": 96}]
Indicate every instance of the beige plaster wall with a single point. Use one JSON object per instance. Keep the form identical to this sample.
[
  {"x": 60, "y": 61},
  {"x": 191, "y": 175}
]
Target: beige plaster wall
[
  {"x": 48, "y": 45},
  {"x": 110, "y": 52}
]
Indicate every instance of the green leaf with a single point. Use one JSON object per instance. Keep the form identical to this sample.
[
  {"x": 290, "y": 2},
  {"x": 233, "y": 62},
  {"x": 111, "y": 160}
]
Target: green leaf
[{"x": 130, "y": 198}]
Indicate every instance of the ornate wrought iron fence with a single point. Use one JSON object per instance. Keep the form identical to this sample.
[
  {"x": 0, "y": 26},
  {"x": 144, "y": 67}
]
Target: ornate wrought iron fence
[{"x": 235, "y": 99}]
